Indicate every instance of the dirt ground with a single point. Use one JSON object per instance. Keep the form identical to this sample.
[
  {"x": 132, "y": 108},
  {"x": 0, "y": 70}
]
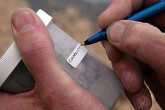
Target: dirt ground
[{"x": 72, "y": 22}]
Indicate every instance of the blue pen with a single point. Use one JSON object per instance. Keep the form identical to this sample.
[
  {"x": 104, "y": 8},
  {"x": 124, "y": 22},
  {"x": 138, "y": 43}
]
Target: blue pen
[{"x": 140, "y": 16}]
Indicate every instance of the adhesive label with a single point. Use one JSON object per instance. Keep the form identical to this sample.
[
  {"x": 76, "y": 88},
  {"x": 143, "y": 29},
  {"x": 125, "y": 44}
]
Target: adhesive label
[{"x": 77, "y": 55}]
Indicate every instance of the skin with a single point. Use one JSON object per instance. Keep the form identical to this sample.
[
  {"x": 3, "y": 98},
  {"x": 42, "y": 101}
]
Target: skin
[
  {"x": 136, "y": 51},
  {"x": 54, "y": 89}
]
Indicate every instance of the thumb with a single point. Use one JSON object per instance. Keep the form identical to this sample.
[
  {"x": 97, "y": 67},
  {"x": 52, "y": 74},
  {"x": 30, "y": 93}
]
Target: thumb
[
  {"x": 36, "y": 48},
  {"x": 139, "y": 40}
]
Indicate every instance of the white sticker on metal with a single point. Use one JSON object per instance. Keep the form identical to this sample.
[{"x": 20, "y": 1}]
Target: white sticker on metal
[{"x": 77, "y": 55}]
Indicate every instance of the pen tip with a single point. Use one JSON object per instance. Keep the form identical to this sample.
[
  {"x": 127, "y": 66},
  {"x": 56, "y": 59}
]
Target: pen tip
[{"x": 82, "y": 44}]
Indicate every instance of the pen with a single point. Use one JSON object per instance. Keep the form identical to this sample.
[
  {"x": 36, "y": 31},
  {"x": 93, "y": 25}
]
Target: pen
[{"x": 140, "y": 16}]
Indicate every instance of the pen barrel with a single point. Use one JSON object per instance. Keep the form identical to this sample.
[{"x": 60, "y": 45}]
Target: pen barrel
[
  {"x": 148, "y": 12},
  {"x": 102, "y": 35}
]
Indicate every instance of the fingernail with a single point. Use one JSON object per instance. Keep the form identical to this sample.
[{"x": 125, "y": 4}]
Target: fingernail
[
  {"x": 139, "y": 102},
  {"x": 127, "y": 79},
  {"x": 22, "y": 21},
  {"x": 115, "y": 32}
]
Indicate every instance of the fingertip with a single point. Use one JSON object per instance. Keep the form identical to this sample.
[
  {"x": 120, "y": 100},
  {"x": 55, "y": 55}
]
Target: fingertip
[
  {"x": 103, "y": 20},
  {"x": 148, "y": 104},
  {"x": 141, "y": 100},
  {"x": 115, "y": 32},
  {"x": 113, "y": 13},
  {"x": 25, "y": 9}
]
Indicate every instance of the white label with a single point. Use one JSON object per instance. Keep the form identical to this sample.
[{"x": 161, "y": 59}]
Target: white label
[{"x": 77, "y": 55}]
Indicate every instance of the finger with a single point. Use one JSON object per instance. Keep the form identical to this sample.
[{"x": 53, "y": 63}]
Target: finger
[
  {"x": 140, "y": 40},
  {"x": 54, "y": 86},
  {"x": 113, "y": 54},
  {"x": 153, "y": 83},
  {"x": 126, "y": 68},
  {"x": 117, "y": 10},
  {"x": 129, "y": 73},
  {"x": 35, "y": 45},
  {"x": 141, "y": 100}
]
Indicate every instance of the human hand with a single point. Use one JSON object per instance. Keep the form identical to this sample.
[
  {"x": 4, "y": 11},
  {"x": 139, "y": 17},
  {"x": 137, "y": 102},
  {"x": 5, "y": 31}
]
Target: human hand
[
  {"x": 136, "y": 51},
  {"x": 54, "y": 89}
]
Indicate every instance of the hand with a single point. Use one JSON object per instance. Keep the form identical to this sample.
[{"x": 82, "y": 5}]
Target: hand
[
  {"x": 136, "y": 50},
  {"x": 54, "y": 89}
]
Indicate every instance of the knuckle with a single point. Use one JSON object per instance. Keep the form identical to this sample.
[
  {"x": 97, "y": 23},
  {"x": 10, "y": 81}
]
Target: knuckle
[{"x": 34, "y": 49}]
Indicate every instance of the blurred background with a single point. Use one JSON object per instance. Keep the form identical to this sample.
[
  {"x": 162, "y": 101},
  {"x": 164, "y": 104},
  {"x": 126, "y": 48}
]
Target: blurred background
[{"x": 78, "y": 18}]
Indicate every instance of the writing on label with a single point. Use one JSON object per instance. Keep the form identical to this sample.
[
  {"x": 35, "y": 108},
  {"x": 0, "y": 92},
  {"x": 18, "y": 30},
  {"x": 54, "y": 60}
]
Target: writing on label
[{"x": 77, "y": 55}]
